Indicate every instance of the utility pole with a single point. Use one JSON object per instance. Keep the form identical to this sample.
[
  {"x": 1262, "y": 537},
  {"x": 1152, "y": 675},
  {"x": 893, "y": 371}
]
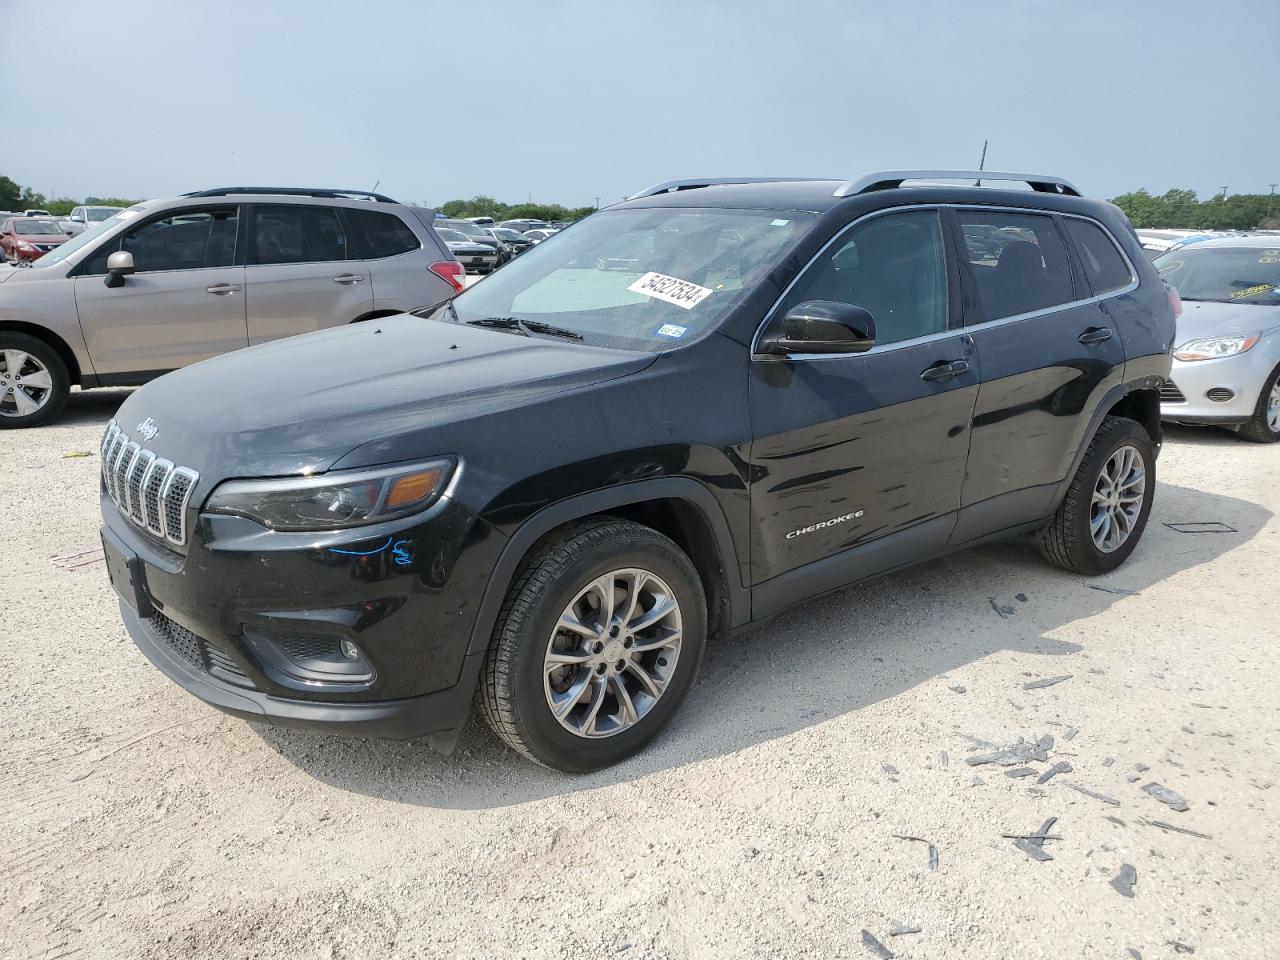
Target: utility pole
[
  {"x": 1271, "y": 199},
  {"x": 1224, "y": 192},
  {"x": 598, "y": 200}
]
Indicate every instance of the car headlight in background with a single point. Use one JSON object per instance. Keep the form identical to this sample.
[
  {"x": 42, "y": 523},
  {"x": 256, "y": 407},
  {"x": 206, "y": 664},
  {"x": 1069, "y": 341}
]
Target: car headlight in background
[
  {"x": 1211, "y": 348},
  {"x": 331, "y": 501}
]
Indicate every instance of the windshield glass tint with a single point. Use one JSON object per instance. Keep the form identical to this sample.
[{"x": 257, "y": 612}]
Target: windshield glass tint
[
  {"x": 450, "y": 236},
  {"x": 639, "y": 279},
  {"x": 88, "y": 238},
  {"x": 30, "y": 227},
  {"x": 96, "y": 214},
  {"x": 1225, "y": 274}
]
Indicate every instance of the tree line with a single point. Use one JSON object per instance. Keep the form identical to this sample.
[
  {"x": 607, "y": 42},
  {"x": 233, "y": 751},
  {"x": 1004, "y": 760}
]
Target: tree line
[
  {"x": 18, "y": 198},
  {"x": 489, "y": 207}
]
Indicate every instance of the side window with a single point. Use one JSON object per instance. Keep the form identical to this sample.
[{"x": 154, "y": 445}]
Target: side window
[
  {"x": 1018, "y": 261},
  {"x": 381, "y": 234},
  {"x": 186, "y": 240},
  {"x": 297, "y": 234},
  {"x": 893, "y": 266},
  {"x": 1103, "y": 264}
]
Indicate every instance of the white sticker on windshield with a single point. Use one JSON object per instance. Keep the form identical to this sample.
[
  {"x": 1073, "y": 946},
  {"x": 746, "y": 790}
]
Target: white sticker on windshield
[
  {"x": 672, "y": 330},
  {"x": 671, "y": 289},
  {"x": 779, "y": 223}
]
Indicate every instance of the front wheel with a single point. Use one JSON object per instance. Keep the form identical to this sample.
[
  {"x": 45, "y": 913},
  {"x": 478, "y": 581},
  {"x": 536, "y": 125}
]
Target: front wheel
[
  {"x": 598, "y": 643},
  {"x": 1101, "y": 519},
  {"x": 1264, "y": 425},
  {"x": 33, "y": 381}
]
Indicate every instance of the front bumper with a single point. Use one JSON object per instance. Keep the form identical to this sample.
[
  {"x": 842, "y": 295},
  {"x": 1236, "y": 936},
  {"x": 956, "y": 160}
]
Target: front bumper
[
  {"x": 1243, "y": 375},
  {"x": 255, "y": 623}
]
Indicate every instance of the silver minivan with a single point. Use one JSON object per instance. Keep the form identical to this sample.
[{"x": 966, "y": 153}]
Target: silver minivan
[{"x": 167, "y": 283}]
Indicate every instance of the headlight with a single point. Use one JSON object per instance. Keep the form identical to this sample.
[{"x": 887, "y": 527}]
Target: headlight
[
  {"x": 342, "y": 499},
  {"x": 1211, "y": 348}
]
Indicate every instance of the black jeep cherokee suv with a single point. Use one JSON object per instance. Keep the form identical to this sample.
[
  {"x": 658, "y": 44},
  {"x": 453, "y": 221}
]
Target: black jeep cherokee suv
[{"x": 554, "y": 490}]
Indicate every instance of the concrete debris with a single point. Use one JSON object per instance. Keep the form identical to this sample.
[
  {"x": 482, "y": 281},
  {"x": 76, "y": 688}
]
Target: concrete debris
[
  {"x": 899, "y": 929},
  {"x": 1180, "y": 947},
  {"x": 1003, "y": 611},
  {"x": 1020, "y": 752},
  {"x": 1032, "y": 851},
  {"x": 933, "y": 851},
  {"x": 1070, "y": 734},
  {"x": 1166, "y": 796},
  {"x": 1020, "y": 772},
  {"x": 1118, "y": 591},
  {"x": 1169, "y": 826},
  {"x": 1133, "y": 953},
  {"x": 889, "y": 768},
  {"x": 957, "y": 689},
  {"x": 1125, "y": 880}
]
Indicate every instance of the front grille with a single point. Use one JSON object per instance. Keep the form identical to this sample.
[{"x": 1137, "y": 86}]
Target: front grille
[
  {"x": 151, "y": 492},
  {"x": 1169, "y": 393},
  {"x": 197, "y": 651}
]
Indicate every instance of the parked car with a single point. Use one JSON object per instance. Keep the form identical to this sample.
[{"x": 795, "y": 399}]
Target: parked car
[
  {"x": 475, "y": 257},
  {"x": 481, "y": 221},
  {"x": 537, "y": 236},
  {"x": 516, "y": 241},
  {"x": 1156, "y": 242},
  {"x": 168, "y": 282},
  {"x": 26, "y": 239},
  {"x": 478, "y": 234},
  {"x": 558, "y": 486},
  {"x": 88, "y": 216},
  {"x": 36, "y": 213},
  {"x": 1226, "y": 359},
  {"x": 523, "y": 225}
]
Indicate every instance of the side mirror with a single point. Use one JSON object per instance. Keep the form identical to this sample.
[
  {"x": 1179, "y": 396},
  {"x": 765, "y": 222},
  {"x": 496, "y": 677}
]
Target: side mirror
[
  {"x": 822, "y": 326},
  {"x": 119, "y": 265}
]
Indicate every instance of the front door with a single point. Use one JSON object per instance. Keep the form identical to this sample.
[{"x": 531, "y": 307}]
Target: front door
[
  {"x": 1049, "y": 353},
  {"x": 184, "y": 303},
  {"x": 302, "y": 273},
  {"x": 858, "y": 460}
]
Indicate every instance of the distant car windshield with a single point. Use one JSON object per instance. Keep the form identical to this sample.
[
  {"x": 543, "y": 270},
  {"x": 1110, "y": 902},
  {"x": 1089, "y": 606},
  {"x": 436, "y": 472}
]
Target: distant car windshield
[
  {"x": 502, "y": 234},
  {"x": 97, "y": 214},
  {"x": 465, "y": 226},
  {"x": 1224, "y": 274},
  {"x": 648, "y": 279},
  {"x": 450, "y": 236},
  {"x": 88, "y": 238},
  {"x": 30, "y": 227}
]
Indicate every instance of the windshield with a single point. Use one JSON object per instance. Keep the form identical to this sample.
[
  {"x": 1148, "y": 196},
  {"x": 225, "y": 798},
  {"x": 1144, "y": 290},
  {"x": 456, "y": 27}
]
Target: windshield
[
  {"x": 1224, "y": 274},
  {"x": 502, "y": 234},
  {"x": 470, "y": 229},
  {"x": 90, "y": 236},
  {"x": 450, "y": 236},
  {"x": 96, "y": 214},
  {"x": 29, "y": 227},
  {"x": 638, "y": 279}
]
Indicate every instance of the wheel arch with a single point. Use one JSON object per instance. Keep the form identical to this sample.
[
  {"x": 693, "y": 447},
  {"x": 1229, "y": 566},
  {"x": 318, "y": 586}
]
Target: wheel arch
[
  {"x": 52, "y": 339},
  {"x": 680, "y": 508}
]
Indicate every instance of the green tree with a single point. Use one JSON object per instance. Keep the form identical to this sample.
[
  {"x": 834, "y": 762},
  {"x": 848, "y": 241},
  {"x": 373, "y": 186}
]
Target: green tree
[{"x": 10, "y": 194}]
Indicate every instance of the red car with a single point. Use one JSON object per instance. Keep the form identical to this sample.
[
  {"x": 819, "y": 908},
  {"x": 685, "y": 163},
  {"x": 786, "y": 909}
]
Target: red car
[{"x": 24, "y": 239}]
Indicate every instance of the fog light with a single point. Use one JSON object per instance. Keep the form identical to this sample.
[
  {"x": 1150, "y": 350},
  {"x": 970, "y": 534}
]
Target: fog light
[
  {"x": 350, "y": 650},
  {"x": 1220, "y": 394}
]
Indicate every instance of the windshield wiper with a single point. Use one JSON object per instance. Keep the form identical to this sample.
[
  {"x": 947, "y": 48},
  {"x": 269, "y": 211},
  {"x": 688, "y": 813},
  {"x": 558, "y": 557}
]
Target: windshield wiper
[{"x": 527, "y": 327}]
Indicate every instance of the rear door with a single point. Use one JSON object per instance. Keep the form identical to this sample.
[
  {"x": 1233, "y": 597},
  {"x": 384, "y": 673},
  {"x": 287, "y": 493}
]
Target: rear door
[
  {"x": 399, "y": 263},
  {"x": 184, "y": 303},
  {"x": 302, "y": 272},
  {"x": 851, "y": 451},
  {"x": 1048, "y": 352}
]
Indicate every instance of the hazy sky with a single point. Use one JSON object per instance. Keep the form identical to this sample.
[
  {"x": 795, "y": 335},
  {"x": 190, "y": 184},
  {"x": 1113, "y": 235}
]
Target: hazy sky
[{"x": 569, "y": 101}]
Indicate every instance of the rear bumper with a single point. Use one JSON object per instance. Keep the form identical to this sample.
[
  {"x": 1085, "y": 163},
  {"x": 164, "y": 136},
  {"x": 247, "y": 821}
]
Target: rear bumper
[{"x": 437, "y": 716}]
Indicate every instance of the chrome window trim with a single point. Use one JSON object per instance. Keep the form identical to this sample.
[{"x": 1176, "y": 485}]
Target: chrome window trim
[{"x": 950, "y": 332}]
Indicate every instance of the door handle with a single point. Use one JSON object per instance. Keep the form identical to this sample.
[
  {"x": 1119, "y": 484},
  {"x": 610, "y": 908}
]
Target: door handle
[
  {"x": 348, "y": 278},
  {"x": 945, "y": 370},
  {"x": 1095, "y": 335},
  {"x": 222, "y": 289}
]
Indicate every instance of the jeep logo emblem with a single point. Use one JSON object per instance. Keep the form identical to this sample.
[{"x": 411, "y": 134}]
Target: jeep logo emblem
[{"x": 147, "y": 429}]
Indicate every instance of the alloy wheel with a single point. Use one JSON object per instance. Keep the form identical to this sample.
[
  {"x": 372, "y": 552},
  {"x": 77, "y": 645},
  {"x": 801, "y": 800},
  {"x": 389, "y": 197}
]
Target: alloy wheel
[
  {"x": 1118, "y": 496},
  {"x": 1273, "y": 407},
  {"x": 612, "y": 653},
  {"x": 25, "y": 384}
]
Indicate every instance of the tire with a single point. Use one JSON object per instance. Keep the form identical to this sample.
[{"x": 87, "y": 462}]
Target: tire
[
  {"x": 1259, "y": 428},
  {"x": 517, "y": 685},
  {"x": 41, "y": 360},
  {"x": 1069, "y": 540}
]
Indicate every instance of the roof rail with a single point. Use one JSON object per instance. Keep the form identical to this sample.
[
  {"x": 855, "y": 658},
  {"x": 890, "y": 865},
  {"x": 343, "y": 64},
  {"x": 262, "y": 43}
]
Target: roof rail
[
  {"x": 674, "y": 186},
  {"x": 328, "y": 193},
  {"x": 890, "y": 179}
]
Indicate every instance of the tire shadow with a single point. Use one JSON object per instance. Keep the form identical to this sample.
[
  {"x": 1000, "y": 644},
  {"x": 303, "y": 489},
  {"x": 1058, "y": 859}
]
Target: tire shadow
[{"x": 820, "y": 660}]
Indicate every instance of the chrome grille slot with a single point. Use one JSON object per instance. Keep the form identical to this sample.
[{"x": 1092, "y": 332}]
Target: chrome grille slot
[{"x": 149, "y": 491}]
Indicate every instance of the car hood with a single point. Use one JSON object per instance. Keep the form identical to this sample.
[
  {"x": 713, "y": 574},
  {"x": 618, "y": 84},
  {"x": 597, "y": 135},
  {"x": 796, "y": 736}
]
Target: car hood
[
  {"x": 43, "y": 237},
  {"x": 1203, "y": 318},
  {"x": 298, "y": 405}
]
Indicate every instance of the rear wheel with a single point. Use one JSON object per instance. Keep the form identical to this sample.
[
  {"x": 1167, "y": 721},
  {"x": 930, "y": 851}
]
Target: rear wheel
[
  {"x": 596, "y": 647},
  {"x": 1264, "y": 425},
  {"x": 1101, "y": 519},
  {"x": 33, "y": 381}
]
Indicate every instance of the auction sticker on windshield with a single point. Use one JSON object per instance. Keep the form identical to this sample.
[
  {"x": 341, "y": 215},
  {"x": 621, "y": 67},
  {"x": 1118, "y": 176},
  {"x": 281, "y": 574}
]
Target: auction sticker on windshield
[{"x": 671, "y": 289}]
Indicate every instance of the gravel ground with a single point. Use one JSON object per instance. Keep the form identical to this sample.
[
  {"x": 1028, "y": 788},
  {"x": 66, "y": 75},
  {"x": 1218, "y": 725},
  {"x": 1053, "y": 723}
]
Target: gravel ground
[{"x": 139, "y": 823}]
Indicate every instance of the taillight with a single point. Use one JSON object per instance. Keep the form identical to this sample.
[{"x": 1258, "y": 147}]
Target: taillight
[
  {"x": 1175, "y": 303},
  {"x": 452, "y": 271}
]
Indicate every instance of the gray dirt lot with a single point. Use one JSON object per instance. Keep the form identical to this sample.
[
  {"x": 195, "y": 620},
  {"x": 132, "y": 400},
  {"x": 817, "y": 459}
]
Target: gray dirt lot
[{"x": 138, "y": 823}]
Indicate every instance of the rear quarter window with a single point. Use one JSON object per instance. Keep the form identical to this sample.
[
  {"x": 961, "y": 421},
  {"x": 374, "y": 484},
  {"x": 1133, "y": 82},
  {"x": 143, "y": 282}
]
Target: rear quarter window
[
  {"x": 380, "y": 234},
  {"x": 1103, "y": 264}
]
